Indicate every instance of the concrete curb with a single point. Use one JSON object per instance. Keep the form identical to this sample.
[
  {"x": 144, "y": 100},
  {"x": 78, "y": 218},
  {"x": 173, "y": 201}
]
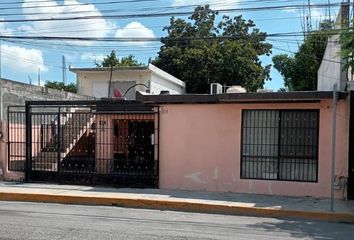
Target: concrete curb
[{"x": 187, "y": 206}]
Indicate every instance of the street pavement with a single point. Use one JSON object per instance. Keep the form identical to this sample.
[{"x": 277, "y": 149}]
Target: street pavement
[
  {"x": 190, "y": 201},
  {"x": 20, "y": 220}
]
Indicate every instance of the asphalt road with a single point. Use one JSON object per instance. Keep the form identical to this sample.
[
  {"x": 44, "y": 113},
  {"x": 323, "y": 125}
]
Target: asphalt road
[{"x": 55, "y": 221}]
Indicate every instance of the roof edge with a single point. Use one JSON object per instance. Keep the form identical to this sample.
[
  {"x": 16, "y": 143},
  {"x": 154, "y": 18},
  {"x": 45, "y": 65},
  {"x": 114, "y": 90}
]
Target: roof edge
[
  {"x": 310, "y": 96},
  {"x": 103, "y": 69},
  {"x": 166, "y": 75}
]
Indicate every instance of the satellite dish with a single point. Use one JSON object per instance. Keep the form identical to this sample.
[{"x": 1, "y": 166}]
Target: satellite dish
[{"x": 117, "y": 93}]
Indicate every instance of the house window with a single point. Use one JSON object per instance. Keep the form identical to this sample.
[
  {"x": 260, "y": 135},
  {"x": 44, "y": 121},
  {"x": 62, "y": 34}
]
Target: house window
[{"x": 280, "y": 145}]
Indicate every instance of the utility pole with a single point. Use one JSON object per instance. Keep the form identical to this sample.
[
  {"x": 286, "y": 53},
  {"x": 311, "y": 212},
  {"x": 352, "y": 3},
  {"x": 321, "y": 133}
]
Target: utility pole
[
  {"x": 39, "y": 76},
  {"x": 29, "y": 80},
  {"x": 334, "y": 132},
  {"x": 64, "y": 69},
  {"x": 0, "y": 59},
  {"x": 110, "y": 82},
  {"x": 308, "y": 18},
  {"x": 0, "y": 84}
]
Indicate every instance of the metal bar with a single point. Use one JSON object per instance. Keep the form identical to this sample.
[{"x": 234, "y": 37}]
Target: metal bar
[
  {"x": 28, "y": 143},
  {"x": 8, "y": 134},
  {"x": 58, "y": 145},
  {"x": 334, "y": 128},
  {"x": 279, "y": 142},
  {"x": 87, "y": 103},
  {"x": 148, "y": 112}
]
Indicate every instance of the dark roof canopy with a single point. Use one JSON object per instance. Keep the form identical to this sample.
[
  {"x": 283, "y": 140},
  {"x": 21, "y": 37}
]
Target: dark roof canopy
[{"x": 269, "y": 97}]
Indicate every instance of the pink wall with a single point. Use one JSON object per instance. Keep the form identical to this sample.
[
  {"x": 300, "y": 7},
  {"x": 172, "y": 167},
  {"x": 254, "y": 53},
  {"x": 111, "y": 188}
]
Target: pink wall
[{"x": 200, "y": 149}]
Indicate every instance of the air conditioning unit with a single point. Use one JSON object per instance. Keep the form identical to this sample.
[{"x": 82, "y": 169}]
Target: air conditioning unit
[{"x": 215, "y": 88}]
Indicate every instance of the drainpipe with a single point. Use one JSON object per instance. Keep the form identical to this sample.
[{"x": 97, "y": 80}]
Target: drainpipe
[{"x": 334, "y": 124}]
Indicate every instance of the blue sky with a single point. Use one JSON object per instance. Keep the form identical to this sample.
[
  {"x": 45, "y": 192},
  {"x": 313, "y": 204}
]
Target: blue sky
[{"x": 21, "y": 60}]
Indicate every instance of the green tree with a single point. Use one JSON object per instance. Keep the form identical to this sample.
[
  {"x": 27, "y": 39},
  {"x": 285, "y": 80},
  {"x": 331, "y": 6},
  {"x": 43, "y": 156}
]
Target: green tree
[
  {"x": 200, "y": 51},
  {"x": 112, "y": 60},
  {"x": 300, "y": 69},
  {"x": 71, "y": 87},
  {"x": 347, "y": 42}
]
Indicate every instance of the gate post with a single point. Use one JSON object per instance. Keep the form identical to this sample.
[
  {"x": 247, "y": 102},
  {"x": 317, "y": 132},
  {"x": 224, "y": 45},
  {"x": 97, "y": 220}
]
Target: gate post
[
  {"x": 28, "y": 127},
  {"x": 59, "y": 139}
]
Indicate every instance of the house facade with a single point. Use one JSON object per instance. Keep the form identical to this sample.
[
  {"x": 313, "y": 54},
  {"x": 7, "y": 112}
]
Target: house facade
[
  {"x": 103, "y": 82},
  {"x": 268, "y": 143},
  {"x": 262, "y": 143}
]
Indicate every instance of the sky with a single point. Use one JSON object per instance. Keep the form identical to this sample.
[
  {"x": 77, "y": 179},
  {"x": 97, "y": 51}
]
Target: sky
[{"x": 26, "y": 59}]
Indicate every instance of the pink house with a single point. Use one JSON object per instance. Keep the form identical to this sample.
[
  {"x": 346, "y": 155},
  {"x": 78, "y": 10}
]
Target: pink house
[{"x": 266, "y": 143}]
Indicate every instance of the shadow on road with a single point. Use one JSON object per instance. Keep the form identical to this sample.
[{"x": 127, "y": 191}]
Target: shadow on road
[{"x": 308, "y": 229}]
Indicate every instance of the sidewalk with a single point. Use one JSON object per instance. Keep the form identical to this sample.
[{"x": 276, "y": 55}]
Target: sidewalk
[{"x": 193, "y": 201}]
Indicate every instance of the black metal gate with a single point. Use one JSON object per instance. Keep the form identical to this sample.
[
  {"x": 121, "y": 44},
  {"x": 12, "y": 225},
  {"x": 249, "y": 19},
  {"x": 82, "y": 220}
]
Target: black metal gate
[{"x": 92, "y": 142}]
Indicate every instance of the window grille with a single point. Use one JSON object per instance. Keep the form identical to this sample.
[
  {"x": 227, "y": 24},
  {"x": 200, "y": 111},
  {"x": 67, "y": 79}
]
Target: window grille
[{"x": 280, "y": 145}]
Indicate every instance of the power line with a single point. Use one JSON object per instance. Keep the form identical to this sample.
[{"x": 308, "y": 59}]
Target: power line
[
  {"x": 323, "y": 59},
  {"x": 37, "y": 4},
  {"x": 160, "y": 8},
  {"x": 153, "y": 15},
  {"x": 69, "y": 26},
  {"x": 151, "y": 39}
]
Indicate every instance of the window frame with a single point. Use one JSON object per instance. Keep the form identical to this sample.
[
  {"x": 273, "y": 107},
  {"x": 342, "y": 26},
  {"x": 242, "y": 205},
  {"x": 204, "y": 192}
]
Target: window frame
[{"x": 316, "y": 111}]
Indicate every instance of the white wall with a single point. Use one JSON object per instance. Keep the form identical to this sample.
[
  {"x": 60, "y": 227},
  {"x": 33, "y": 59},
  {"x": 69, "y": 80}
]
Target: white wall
[
  {"x": 95, "y": 83},
  {"x": 159, "y": 84},
  {"x": 161, "y": 80},
  {"x": 331, "y": 69}
]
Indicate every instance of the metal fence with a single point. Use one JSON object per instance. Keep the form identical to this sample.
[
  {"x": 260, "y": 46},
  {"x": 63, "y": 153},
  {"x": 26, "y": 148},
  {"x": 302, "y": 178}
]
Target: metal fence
[
  {"x": 16, "y": 132},
  {"x": 92, "y": 142},
  {"x": 280, "y": 145}
]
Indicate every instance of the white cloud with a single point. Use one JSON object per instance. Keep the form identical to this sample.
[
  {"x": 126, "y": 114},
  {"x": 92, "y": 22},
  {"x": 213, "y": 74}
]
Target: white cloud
[
  {"x": 92, "y": 57},
  {"x": 73, "y": 28},
  {"x": 22, "y": 59},
  {"x": 4, "y": 30},
  {"x": 214, "y": 4},
  {"x": 135, "y": 30},
  {"x": 315, "y": 12},
  {"x": 291, "y": 10},
  {"x": 25, "y": 28},
  {"x": 318, "y": 14}
]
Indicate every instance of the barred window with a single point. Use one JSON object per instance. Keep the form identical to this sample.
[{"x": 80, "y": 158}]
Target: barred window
[{"x": 280, "y": 145}]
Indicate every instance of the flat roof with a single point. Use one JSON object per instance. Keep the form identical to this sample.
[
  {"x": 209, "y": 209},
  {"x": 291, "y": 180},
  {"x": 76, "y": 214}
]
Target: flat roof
[
  {"x": 104, "y": 69},
  {"x": 269, "y": 97}
]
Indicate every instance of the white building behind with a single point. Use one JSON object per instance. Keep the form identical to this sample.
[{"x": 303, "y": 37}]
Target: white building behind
[
  {"x": 95, "y": 81},
  {"x": 332, "y": 66}
]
